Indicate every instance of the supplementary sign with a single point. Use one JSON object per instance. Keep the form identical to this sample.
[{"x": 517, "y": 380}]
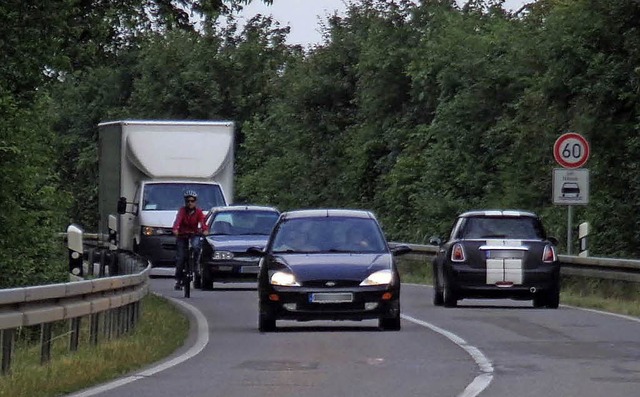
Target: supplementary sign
[{"x": 570, "y": 186}]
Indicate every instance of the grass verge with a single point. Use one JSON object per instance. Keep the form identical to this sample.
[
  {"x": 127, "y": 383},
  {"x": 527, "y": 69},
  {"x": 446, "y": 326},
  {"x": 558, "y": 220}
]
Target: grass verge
[
  {"x": 619, "y": 297},
  {"x": 161, "y": 330}
]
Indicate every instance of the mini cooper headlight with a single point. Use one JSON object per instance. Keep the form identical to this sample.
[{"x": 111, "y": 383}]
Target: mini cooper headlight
[
  {"x": 381, "y": 277},
  {"x": 222, "y": 255},
  {"x": 284, "y": 279}
]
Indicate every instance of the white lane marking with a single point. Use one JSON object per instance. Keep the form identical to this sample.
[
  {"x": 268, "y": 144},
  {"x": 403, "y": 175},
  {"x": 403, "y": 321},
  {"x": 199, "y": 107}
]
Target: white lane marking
[
  {"x": 623, "y": 316},
  {"x": 481, "y": 381},
  {"x": 202, "y": 340}
]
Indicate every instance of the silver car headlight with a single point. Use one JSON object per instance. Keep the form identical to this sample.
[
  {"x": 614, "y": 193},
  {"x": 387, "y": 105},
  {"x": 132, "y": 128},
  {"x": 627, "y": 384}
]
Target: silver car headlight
[
  {"x": 381, "y": 277},
  {"x": 284, "y": 279},
  {"x": 222, "y": 255}
]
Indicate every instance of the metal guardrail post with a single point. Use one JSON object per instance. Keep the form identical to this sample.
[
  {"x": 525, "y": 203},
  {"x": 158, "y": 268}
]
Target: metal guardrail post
[
  {"x": 74, "y": 334},
  {"x": 94, "y": 328},
  {"x": 91, "y": 254},
  {"x": 7, "y": 350},
  {"x": 103, "y": 263},
  {"x": 45, "y": 343}
]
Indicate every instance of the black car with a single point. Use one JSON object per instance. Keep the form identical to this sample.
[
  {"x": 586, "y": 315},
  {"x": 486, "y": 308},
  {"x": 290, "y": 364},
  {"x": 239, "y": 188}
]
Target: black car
[
  {"x": 233, "y": 230},
  {"x": 329, "y": 264},
  {"x": 497, "y": 254}
]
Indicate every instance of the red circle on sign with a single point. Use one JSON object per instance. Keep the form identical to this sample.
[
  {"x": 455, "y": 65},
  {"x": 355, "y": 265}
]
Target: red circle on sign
[{"x": 571, "y": 150}]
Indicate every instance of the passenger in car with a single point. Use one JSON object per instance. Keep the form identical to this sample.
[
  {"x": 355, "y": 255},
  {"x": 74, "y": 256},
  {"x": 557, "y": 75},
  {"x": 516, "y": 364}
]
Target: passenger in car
[
  {"x": 296, "y": 240},
  {"x": 221, "y": 227}
]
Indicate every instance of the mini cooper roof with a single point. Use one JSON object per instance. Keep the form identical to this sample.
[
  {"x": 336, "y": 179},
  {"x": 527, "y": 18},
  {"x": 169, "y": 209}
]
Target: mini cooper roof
[{"x": 497, "y": 213}]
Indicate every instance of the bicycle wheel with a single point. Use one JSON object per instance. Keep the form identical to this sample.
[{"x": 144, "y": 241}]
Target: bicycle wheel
[{"x": 188, "y": 275}]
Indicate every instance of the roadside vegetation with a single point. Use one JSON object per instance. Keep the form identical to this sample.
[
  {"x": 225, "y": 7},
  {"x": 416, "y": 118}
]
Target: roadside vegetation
[
  {"x": 414, "y": 110},
  {"x": 162, "y": 329}
]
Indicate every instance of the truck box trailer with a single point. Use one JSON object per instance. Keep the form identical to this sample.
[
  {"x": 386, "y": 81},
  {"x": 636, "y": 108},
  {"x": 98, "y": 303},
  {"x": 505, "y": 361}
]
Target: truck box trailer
[{"x": 151, "y": 163}]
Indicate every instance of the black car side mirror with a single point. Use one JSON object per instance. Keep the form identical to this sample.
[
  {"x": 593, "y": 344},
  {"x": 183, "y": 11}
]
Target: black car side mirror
[
  {"x": 435, "y": 241},
  {"x": 257, "y": 251},
  {"x": 400, "y": 250}
]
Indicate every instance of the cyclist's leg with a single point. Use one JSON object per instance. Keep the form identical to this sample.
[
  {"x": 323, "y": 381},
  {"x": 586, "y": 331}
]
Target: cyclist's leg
[{"x": 181, "y": 255}]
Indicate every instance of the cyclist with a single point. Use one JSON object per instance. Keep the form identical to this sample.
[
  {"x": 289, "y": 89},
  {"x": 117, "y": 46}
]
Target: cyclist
[{"x": 189, "y": 223}]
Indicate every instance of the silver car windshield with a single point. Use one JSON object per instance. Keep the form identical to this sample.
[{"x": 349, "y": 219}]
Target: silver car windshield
[
  {"x": 328, "y": 235},
  {"x": 243, "y": 222}
]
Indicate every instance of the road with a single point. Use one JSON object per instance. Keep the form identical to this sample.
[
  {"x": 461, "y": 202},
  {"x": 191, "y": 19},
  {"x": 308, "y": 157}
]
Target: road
[{"x": 482, "y": 348}]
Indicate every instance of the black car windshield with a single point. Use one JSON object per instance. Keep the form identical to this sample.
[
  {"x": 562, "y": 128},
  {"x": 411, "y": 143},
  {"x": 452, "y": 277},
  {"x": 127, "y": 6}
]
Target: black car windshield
[
  {"x": 170, "y": 196},
  {"x": 243, "y": 222},
  {"x": 328, "y": 235},
  {"x": 502, "y": 228}
]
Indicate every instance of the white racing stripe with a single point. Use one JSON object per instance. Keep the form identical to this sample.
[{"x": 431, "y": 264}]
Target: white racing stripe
[
  {"x": 202, "y": 340},
  {"x": 481, "y": 381}
]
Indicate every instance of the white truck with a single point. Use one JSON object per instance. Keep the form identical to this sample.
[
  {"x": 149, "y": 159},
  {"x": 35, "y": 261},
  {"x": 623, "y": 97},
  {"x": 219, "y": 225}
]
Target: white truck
[{"x": 146, "y": 165}]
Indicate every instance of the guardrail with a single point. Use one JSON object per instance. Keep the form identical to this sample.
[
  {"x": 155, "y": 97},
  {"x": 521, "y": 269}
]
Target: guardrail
[
  {"x": 604, "y": 268},
  {"x": 111, "y": 303}
]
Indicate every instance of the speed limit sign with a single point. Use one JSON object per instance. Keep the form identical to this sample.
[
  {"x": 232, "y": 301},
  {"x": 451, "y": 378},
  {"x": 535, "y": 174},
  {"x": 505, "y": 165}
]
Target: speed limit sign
[{"x": 571, "y": 150}]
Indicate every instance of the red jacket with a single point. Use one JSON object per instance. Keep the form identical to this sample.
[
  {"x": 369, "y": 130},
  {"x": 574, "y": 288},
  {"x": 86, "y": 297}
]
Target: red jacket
[{"x": 187, "y": 223}]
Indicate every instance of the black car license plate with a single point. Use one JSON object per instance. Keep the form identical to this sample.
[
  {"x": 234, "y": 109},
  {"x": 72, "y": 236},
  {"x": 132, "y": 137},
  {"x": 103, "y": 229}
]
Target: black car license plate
[{"x": 331, "y": 297}]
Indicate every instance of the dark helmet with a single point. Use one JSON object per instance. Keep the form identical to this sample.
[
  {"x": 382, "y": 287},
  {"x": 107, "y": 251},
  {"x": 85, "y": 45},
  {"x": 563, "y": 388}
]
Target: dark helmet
[{"x": 190, "y": 193}]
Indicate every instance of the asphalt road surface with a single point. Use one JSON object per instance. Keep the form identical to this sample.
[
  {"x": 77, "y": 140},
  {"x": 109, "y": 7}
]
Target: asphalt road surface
[{"x": 482, "y": 348}]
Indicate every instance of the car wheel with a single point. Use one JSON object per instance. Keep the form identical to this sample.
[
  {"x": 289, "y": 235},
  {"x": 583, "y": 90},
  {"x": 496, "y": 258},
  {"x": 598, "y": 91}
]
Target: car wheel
[
  {"x": 266, "y": 323},
  {"x": 449, "y": 296},
  {"x": 553, "y": 297},
  {"x": 207, "y": 279},
  {"x": 390, "y": 324},
  {"x": 539, "y": 301},
  {"x": 438, "y": 298}
]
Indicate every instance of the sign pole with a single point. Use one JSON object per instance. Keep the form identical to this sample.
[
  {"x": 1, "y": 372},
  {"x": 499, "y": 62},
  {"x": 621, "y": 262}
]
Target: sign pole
[{"x": 569, "y": 228}]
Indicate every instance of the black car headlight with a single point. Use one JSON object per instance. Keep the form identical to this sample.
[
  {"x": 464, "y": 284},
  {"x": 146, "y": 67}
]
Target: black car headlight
[
  {"x": 283, "y": 279},
  {"x": 381, "y": 277}
]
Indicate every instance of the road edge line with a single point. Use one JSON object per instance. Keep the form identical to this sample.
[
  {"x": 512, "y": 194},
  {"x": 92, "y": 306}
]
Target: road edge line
[{"x": 202, "y": 339}]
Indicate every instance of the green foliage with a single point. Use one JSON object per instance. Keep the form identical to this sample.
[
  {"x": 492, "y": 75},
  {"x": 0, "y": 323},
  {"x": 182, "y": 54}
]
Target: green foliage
[
  {"x": 415, "y": 111},
  {"x": 32, "y": 206}
]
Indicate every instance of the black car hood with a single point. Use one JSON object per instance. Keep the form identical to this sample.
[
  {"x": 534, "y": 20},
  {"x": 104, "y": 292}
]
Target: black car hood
[
  {"x": 308, "y": 267},
  {"x": 238, "y": 243}
]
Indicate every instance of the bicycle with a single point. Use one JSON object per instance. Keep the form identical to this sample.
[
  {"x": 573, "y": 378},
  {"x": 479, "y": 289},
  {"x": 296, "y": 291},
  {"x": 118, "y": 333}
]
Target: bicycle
[{"x": 189, "y": 266}]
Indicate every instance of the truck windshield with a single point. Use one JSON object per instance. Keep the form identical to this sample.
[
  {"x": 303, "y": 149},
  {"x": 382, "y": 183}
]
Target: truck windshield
[{"x": 170, "y": 196}]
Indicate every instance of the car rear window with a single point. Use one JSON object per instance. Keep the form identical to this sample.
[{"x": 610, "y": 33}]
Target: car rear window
[{"x": 502, "y": 227}]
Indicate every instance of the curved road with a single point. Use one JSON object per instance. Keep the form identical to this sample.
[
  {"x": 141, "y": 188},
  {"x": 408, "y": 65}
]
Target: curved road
[{"x": 482, "y": 348}]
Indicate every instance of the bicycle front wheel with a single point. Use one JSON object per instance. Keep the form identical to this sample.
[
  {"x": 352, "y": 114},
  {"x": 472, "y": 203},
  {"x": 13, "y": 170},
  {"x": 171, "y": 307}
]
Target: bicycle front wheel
[{"x": 188, "y": 275}]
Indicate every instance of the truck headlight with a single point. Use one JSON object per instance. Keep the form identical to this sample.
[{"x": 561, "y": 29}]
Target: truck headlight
[
  {"x": 155, "y": 231},
  {"x": 222, "y": 255}
]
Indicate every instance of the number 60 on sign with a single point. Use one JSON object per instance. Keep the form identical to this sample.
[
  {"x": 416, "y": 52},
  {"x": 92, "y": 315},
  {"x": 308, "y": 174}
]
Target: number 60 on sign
[{"x": 571, "y": 150}]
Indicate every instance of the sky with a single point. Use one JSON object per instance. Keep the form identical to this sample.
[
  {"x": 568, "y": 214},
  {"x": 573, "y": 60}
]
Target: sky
[{"x": 304, "y": 16}]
